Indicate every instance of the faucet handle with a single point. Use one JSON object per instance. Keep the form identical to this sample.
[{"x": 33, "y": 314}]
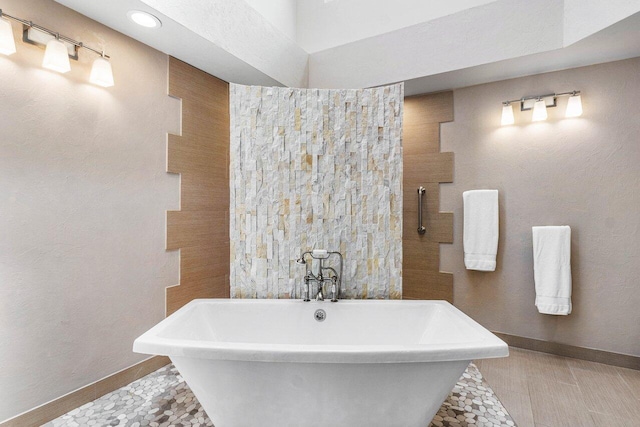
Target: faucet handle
[
  {"x": 320, "y": 253},
  {"x": 334, "y": 289},
  {"x": 306, "y": 289}
]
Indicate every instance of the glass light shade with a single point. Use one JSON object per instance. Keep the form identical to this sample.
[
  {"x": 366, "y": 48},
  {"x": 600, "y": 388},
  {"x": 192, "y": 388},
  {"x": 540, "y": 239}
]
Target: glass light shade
[
  {"x": 574, "y": 106},
  {"x": 101, "y": 73},
  {"x": 539, "y": 111},
  {"x": 7, "y": 43},
  {"x": 507, "y": 115},
  {"x": 56, "y": 57}
]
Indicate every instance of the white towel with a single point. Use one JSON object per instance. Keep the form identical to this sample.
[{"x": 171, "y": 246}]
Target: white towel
[
  {"x": 552, "y": 269},
  {"x": 480, "y": 234}
]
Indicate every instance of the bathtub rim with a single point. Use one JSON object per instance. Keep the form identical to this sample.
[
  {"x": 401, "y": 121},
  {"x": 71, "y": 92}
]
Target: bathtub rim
[{"x": 486, "y": 346}]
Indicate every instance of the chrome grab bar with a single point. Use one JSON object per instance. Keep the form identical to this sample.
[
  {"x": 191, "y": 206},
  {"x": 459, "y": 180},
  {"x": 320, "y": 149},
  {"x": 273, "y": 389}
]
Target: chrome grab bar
[{"x": 421, "y": 229}]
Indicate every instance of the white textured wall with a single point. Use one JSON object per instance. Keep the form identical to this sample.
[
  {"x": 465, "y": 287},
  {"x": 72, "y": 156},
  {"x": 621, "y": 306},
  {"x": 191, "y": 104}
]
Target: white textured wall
[
  {"x": 83, "y": 196},
  {"x": 581, "y": 172},
  {"x": 315, "y": 169}
]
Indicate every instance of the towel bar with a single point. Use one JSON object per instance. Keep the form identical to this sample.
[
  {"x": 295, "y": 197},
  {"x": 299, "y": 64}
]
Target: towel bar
[{"x": 421, "y": 229}]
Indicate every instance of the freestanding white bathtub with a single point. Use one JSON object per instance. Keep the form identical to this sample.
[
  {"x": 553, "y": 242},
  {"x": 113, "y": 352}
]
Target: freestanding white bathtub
[{"x": 264, "y": 363}]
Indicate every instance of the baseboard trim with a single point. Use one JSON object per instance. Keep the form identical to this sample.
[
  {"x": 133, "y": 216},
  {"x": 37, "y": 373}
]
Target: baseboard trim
[
  {"x": 583, "y": 353},
  {"x": 60, "y": 406}
]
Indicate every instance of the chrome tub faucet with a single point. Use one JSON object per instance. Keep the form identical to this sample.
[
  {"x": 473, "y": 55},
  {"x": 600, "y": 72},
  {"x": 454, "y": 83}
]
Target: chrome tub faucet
[{"x": 324, "y": 274}]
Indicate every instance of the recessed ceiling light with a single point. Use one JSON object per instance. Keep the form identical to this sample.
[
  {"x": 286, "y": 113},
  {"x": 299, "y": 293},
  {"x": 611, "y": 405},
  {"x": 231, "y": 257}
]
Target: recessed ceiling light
[{"x": 144, "y": 19}]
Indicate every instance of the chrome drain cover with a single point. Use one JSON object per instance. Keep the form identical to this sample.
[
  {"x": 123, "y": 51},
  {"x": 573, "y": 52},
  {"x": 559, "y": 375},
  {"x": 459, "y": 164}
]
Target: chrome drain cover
[{"x": 320, "y": 315}]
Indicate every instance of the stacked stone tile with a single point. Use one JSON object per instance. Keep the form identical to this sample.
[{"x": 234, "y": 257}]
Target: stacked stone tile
[{"x": 319, "y": 169}]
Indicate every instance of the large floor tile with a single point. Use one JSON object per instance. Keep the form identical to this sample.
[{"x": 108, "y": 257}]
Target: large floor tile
[
  {"x": 606, "y": 392},
  {"x": 519, "y": 406},
  {"x": 545, "y": 390},
  {"x": 632, "y": 378},
  {"x": 554, "y": 367},
  {"x": 558, "y": 404},
  {"x": 506, "y": 373},
  {"x": 605, "y": 420}
]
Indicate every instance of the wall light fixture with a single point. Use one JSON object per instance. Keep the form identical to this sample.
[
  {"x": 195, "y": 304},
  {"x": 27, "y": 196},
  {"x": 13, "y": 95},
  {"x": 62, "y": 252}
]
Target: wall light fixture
[
  {"x": 56, "y": 57},
  {"x": 101, "y": 73},
  {"x": 539, "y": 105},
  {"x": 507, "y": 114},
  {"x": 574, "y": 106},
  {"x": 7, "y": 43},
  {"x": 539, "y": 111},
  {"x": 58, "y": 49}
]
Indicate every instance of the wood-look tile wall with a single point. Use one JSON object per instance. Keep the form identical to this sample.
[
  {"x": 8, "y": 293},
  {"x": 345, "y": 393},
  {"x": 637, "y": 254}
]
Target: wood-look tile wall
[
  {"x": 426, "y": 166},
  {"x": 200, "y": 229}
]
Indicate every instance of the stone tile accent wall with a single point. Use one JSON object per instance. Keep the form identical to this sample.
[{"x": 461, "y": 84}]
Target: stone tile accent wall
[{"x": 315, "y": 169}]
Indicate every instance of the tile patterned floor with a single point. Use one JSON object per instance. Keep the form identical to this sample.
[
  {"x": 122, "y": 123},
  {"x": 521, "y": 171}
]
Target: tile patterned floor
[
  {"x": 163, "y": 399},
  {"x": 544, "y": 390}
]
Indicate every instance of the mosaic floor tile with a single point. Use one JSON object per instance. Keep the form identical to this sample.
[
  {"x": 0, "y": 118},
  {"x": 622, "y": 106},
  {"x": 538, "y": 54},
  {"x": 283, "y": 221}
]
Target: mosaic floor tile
[
  {"x": 472, "y": 403},
  {"x": 163, "y": 399}
]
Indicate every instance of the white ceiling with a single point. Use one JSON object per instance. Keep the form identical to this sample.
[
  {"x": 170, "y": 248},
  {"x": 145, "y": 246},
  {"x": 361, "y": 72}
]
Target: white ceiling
[
  {"x": 281, "y": 13},
  {"x": 432, "y": 45},
  {"x": 323, "y": 24}
]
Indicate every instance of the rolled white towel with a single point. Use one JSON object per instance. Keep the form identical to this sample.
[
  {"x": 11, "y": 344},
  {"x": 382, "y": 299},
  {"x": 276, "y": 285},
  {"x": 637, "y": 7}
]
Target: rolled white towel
[
  {"x": 480, "y": 231},
  {"x": 552, "y": 269}
]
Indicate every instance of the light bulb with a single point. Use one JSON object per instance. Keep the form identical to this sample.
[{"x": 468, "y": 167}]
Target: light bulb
[
  {"x": 539, "y": 111},
  {"x": 101, "y": 73},
  {"x": 574, "y": 106},
  {"x": 7, "y": 43},
  {"x": 144, "y": 19},
  {"x": 56, "y": 57},
  {"x": 507, "y": 115}
]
